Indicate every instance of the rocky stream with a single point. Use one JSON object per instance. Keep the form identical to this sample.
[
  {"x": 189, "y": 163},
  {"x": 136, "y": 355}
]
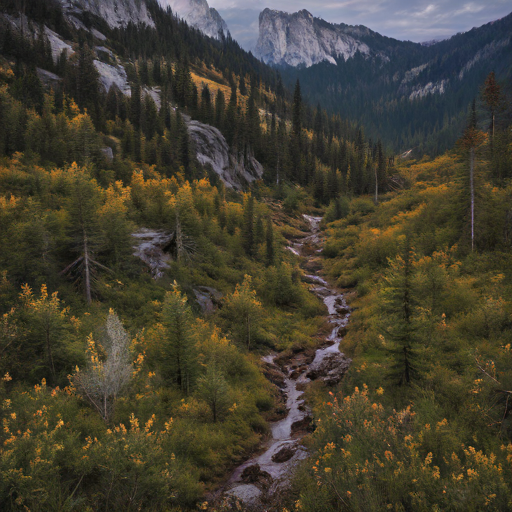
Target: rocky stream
[{"x": 260, "y": 478}]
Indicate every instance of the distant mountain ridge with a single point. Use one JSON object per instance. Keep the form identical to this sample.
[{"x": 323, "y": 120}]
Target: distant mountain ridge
[
  {"x": 300, "y": 39},
  {"x": 417, "y": 94}
]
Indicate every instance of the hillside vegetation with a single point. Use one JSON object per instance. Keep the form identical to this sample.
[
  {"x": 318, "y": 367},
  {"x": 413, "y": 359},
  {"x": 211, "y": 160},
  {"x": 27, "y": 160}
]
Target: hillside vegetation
[
  {"x": 130, "y": 372},
  {"x": 422, "y": 420}
]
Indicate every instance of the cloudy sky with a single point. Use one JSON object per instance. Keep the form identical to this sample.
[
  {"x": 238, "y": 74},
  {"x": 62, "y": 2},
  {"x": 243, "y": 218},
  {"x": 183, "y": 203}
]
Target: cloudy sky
[{"x": 414, "y": 20}]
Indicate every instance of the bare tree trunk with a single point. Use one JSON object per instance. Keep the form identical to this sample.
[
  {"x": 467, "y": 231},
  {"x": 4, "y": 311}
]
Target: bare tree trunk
[
  {"x": 87, "y": 269},
  {"x": 472, "y": 186},
  {"x": 376, "y": 185},
  {"x": 179, "y": 239}
]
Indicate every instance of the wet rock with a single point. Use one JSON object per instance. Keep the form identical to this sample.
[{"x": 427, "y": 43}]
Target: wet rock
[
  {"x": 248, "y": 494},
  {"x": 330, "y": 369},
  {"x": 313, "y": 265},
  {"x": 303, "y": 426},
  {"x": 284, "y": 454},
  {"x": 343, "y": 310},
  {"x": 342, "y": 332},
  {"x": 254, "y": 475},
  {"x": 314, "y": 280},
  {"x": 274, "y": 375},
  {"x": 322, "y": 291},
  {"x": 296, "y": 373}
]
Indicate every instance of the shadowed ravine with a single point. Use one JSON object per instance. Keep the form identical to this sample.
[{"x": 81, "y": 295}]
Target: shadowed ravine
[{"x": 258, "y": 479}]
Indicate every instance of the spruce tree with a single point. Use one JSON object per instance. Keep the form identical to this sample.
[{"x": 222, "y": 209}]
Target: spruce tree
[
  {"x": 269, "y": 253},
  {"x": 178, "y": 347},
  {"x": 136, "y": 104},
  {"x": 297, "y": 111},
  {"x": 248, "y": 225},
  {"x": 84, "y": 230},
  {"x": 398, "y": 307},
  {"x": 220, "y": 107}
]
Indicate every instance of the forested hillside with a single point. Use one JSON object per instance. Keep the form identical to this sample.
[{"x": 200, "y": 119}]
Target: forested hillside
[
  {"x": 181, "y": 68},
  {"x": 413, "y": 96},
  {"x": 423, "y": 418},
  {"x": 139, "y": 290},
  {"x": 129, "y": 380}
]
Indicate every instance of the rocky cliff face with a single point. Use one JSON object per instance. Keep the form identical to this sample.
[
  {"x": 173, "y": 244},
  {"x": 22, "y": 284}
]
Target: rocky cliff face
[
  {"x": 117, "y": 13},
  {"x": 198, "y": 14},
  {"x": 300, "y": 39},
  {"x": 213, "y": 152}
]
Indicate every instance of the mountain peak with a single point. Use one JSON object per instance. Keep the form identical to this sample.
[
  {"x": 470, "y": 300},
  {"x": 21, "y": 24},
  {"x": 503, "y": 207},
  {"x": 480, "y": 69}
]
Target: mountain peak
[
  {"x": 301, "y": 39},
  {"x": 198, "y": 14}
]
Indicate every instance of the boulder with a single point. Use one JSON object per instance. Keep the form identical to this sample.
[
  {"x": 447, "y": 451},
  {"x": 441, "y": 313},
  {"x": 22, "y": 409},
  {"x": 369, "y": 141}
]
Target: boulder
[
  {"x": 274, "y": 375},
  {"x": 254, "y": 475},
  {"x": 330, "y": 369},
  {"x": 208, "y": 298},
  {"x": 284, "y": 454},
  {"x": 303, "y": 426}
]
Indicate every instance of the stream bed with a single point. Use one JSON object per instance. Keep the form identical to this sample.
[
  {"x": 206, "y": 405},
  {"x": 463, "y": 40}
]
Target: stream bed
[{"x": 263, "y": 475}]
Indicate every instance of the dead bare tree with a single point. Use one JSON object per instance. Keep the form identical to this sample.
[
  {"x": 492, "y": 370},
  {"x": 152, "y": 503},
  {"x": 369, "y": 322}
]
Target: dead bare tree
[{"x": 106, "y": 376}]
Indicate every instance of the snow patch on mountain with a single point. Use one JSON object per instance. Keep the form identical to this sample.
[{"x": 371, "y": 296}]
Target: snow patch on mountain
[
  {"x": 198, "y": 14},
  {"x": 486, "y": 52},
  {"x": 430, "y": 88},
  {"x": 413, "y": 73},
  {"x": 300, "y": 39}
]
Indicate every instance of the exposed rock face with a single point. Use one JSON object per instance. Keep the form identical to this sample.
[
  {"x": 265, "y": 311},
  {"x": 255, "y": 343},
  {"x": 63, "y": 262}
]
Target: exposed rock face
[
  {"x": 208, "y": 298},
  {"x": 113, "y": 75},
  {"x": 151, "y": 249},
  {"x": 117, "y": 13},
  {"x": 331, "y": 369},
  {"x": 300, "y": 39},
  {"x": 213, "y": 151},
  {"x": 198, "y": 14}
]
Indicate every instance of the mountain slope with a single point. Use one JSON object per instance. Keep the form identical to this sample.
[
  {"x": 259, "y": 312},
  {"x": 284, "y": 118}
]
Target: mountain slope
[
  {"x": 198, "y": 14},
  {"x": 410, "y": 92},
  {"x": 117, "y": 13}
]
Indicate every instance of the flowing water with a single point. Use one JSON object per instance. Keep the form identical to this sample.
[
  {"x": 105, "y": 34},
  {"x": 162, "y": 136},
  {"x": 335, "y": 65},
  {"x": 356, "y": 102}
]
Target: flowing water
[{"x": 285, "y": 438}]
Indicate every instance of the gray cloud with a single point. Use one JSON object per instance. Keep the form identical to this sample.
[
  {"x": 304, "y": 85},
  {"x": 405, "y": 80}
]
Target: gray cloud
[{"x": 414, "y": 20}]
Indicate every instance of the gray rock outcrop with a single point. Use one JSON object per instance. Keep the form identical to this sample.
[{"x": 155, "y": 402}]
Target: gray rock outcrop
[
  {"x": 300, "y": 39},
  {"x": 151, "y": 248},
  {"x": 117, "y": 13},
  {"x": 330, "y": 369},
  {"x": 213, "y": 152}
]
